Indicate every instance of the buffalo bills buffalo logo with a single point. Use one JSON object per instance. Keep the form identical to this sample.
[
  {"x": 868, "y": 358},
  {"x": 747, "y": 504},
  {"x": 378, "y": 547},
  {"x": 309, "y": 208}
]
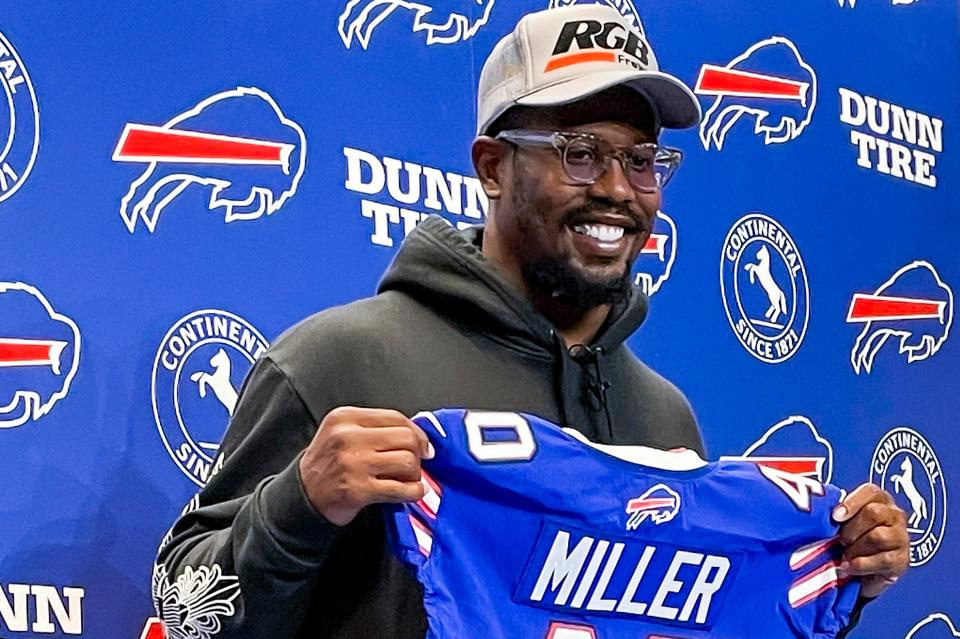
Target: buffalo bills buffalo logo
[
  {"x": 793, "y": 446},
  {"x": 660, "y": 504},
  {"x": 443, "y": 21},
  {"x": 935, "y": 626},
  {"x": 39, "y": 354},
  {"x": 238, "y": 143},
  {"x": 769, "y": 82},
  {"x": 626, "y": 8},
  {"x": 655, "y": 261},
  {"x": 914, "y": 306}
]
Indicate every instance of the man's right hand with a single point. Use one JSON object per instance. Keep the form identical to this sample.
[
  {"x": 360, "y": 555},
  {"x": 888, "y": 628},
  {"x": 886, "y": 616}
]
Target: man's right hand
[{"x": 363, "y": 456}]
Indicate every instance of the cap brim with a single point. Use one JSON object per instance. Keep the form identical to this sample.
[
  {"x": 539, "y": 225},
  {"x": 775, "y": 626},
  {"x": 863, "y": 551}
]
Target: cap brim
[{"x": 675, "y": 104}]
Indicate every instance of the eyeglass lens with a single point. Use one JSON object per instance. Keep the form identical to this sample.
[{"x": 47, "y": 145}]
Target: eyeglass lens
[{"x": 585, "y": 162}]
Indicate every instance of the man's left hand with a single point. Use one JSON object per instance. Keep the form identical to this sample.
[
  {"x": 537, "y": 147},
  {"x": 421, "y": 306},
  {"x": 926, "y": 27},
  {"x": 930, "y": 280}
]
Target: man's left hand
[{"x": 873, "y": 531}]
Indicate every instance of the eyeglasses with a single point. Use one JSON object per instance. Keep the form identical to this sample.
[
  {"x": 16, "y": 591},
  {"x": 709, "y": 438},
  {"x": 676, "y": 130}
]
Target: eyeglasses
[{"x": 586, "y": 157}]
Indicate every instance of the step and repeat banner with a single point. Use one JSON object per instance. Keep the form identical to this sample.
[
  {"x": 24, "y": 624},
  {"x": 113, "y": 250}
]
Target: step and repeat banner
[{"x": 182, "y": 181}]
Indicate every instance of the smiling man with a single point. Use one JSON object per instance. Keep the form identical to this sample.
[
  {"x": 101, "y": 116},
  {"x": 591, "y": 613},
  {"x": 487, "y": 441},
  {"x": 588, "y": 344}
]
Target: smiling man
[{"x": 528, "y": 313}]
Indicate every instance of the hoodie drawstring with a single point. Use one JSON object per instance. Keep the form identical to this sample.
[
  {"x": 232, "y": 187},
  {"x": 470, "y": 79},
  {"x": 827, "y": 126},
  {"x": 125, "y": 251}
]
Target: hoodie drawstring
[{"x": 597, "y": 386}]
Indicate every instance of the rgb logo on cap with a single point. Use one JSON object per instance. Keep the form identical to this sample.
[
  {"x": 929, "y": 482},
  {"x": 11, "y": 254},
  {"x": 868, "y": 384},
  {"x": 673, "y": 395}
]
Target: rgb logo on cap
[{"x": 583, "y": 41}]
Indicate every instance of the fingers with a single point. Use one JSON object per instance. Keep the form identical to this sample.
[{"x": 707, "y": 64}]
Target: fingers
[
  {"x": 889, "y": 564},
  {"x": 397, "y": 492},
  {"x": 872, "y": 585},
  {"x": 871, "y": 516},
  {"x": 860, "y": 497},
  {"x": 873, "y": 531},
  {"x": 879, "y": 541},
  {"x": 400, "y": 465},
  {"x": 389, "y": 426}
]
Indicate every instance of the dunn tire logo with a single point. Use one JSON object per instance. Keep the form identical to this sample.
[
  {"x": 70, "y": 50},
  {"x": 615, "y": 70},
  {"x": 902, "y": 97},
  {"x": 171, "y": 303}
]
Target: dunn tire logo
[{"x": 197, "y": 373}]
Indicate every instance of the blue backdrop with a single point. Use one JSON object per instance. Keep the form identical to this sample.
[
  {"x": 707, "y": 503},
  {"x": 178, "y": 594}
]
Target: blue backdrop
[{"x": 801, "y": 273}]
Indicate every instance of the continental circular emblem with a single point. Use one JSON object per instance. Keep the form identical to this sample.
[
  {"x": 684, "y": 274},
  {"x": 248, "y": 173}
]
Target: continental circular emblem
[
  {"x": 19, "y": 121},
  {"x": 764, "y": 286},
  {"x": 906, "y": 466},
  {"x": 197, "y": 374}
]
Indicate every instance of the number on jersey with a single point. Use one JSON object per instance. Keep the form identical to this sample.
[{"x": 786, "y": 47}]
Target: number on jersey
[{"x": 499, "y": 437}]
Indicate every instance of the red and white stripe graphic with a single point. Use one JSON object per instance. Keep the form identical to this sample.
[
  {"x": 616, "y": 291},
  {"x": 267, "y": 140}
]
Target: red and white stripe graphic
[
  {"x": 716, "y": 80},
  {"x": 649, "y": 503},
  {"x": 802, "y": 556},
  {"x": 867, "y": 308},
  {"x": 146, "y": 143},
  {"x": 656, "y": 244},
  {"x": 423, "y": 535},
  {"x": 430, "y": 503},
  {"x": 823, "y": 578},
  {"x": 814, "y": 584},
  {"x": 153, "y": 629},
  {"x": 31, "y": 352},
  {"x": 806, "y": 466}
]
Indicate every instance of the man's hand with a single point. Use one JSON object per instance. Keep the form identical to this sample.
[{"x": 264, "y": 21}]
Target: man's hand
[
  {"x": 874, "y": 532},
  {"x": 363, "y": 456}
]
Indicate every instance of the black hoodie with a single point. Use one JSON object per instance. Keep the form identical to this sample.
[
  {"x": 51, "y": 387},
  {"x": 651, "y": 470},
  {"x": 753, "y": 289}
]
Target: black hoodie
[{"x": 251, "y": 558}]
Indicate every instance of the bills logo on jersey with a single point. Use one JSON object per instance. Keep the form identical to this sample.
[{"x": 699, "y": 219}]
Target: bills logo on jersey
[
  {"x": 914, "y": 306},
  {"x": 626, "y": 8},
  {"x": 906, "y": 466},
  {"x": 442, "y": 21},
  {"x": 39, "y": 354},
  {"x": 656, "y": 258},
  {"x": 769, "y": 83},
  {"x": 935, "y": 626},
  {"x": 19, "y": 122},
  {"x": 660, "y": 504},
  {"x": 763, "y": 282},
  {"x": 793, "y": 446},
  {"x": 238, "y": 144},
  {"x": 198, "y": 370}
]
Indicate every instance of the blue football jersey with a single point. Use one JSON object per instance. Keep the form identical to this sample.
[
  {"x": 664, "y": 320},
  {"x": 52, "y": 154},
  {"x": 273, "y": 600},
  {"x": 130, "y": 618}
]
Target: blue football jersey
[{"x": 529, "y": 531}]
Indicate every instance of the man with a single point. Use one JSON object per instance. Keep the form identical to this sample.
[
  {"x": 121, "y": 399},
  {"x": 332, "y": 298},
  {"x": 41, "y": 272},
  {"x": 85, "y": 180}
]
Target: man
[{"x": 527, "y": 314}]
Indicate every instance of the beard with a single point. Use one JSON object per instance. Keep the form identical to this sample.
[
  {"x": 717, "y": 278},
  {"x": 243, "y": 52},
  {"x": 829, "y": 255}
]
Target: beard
[{"x": 556, "y": 277}]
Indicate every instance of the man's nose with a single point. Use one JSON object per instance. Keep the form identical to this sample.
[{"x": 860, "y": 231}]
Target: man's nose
[{"x": 613, "y": 185}]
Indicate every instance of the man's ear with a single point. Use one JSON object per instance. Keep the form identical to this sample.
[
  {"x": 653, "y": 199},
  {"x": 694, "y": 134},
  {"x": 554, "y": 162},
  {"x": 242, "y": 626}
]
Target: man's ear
[{"x": 488, "y": 161}]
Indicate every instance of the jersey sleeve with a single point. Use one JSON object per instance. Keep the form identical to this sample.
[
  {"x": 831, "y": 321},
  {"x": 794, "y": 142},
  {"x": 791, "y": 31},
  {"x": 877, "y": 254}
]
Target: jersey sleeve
[
  {"x": 821, "y": 600},
  {"x": 411, "y": 527}
]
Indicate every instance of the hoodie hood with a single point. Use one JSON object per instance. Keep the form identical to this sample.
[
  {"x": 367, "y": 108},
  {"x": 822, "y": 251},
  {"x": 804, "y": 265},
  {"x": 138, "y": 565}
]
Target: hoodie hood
[{"x": 444, "y": 268}]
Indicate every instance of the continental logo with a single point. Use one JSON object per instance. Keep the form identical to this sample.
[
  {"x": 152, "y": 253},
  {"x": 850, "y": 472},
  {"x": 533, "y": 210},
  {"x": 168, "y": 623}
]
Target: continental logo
[{"x": 582, "y": 41}]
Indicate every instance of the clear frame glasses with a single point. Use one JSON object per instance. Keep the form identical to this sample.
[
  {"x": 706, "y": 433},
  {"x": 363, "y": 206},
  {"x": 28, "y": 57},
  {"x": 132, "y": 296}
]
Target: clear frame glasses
[{"x": 585, "y": 157}]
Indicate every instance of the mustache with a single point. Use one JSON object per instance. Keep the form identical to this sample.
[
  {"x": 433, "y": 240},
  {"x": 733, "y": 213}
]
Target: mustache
[{"x": 589, "y": 212}]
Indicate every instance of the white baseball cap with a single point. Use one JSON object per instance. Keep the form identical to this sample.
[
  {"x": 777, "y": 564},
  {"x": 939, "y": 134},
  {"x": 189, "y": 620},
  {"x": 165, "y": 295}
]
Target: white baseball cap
[{"x": 563, "y": 55}]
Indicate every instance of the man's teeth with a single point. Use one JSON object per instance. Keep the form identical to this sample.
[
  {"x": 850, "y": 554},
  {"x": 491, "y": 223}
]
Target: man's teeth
[{"x": 601, "y": 232}]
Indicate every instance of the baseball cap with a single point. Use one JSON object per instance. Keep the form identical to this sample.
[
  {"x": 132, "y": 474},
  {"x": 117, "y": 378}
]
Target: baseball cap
[{"x": 563, "y": 55}]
